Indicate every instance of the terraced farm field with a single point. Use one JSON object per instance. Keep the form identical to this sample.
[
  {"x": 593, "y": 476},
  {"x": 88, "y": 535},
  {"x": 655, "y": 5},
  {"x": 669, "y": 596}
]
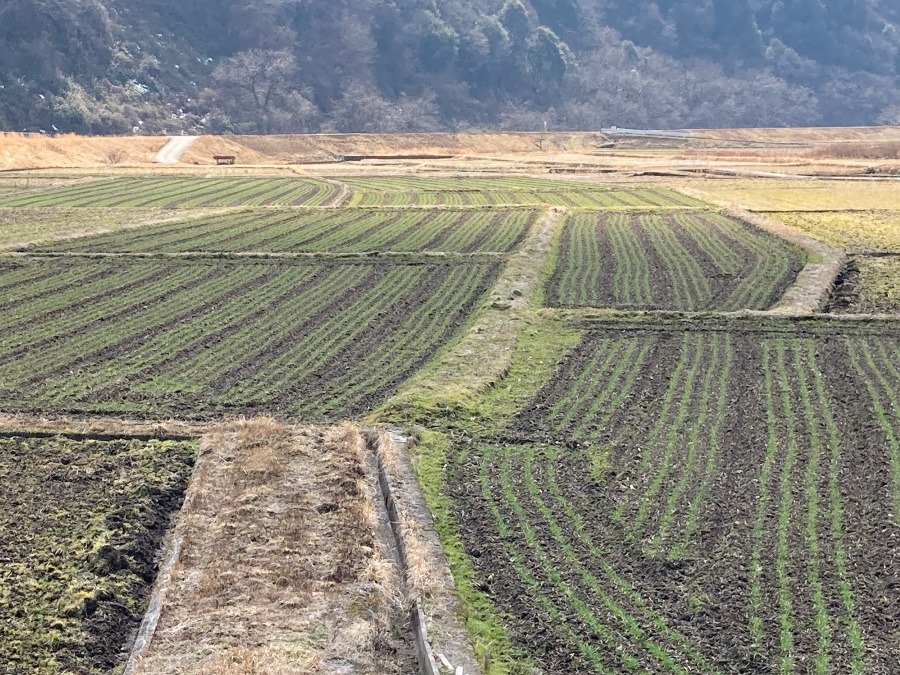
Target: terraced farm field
[
  {"x": 616, "y": 493},
  {"x": 211, "y": 337},
  {"x": 81, "y": 523},
  {"x": 324, "y": 230},
  {"x": 697, "y": 502},
  {"x": 21, "y": 225},
  {"x": 871, "y": 280},
  {"x": 867, "y": 230},
  {"x": 683, "y": 260},
  {"x": 392, "y": 191},
  {"x": 870, "y": 284},
  {"x": 180, "y": 192}
]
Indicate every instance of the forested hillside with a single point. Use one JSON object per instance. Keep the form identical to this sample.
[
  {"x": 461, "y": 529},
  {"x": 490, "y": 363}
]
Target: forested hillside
[{"x": 244, "y": 66}]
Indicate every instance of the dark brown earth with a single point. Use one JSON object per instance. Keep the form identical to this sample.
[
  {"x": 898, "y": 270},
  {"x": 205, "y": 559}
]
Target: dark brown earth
[
  {"x": 82, "y": 523},
  {"x": 704, "y": 591}
]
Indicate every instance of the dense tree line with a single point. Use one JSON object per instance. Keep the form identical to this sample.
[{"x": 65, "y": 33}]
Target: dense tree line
[{"x": 405, "y": 65}]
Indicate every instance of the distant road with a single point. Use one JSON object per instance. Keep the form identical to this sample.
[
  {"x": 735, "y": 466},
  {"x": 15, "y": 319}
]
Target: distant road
[
  {"x": 172, "y": 151},
  {"x": 656, "y": 133}
]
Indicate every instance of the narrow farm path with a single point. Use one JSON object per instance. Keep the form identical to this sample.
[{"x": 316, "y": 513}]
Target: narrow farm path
[
  {"x": 173, "y": 151},
  {"x": 342, "y": 196},
  {"x": 484, "y": 354},
  {"x": 309, "y": 582}
]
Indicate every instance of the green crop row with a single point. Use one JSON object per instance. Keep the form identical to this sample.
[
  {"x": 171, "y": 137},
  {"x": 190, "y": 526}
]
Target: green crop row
[
  {"x": 600, "y": 615},
  {"x": 321, "y": 340},
  {"x": 322, "y": 230},
  {"x": 522, "y": 191},
  {"x": 801, "y": 430},
  {"x": 181, "y": 192},
  {"x": 575, "y": 198},
  {"x": 676, "y": 260},
  {"x": 876, "y": 365}
]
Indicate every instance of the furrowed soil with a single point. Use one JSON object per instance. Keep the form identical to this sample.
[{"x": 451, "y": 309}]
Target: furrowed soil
[
  {"x": 339, "y": 337},
  {"x": 696, "y": 501},
  {"x": 82, "y": 523},
  {"x": 655, "y": 261}
]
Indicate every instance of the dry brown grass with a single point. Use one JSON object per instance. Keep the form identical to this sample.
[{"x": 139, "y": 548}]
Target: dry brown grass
[
  {"x": 324, "y": 147},
  {"x": 802, "y": 134},
  {"x": 25, "y": 225},
  {"x": 800, "y": 195},
  {"x": 105, "y": 426},
  {"x": 884, "y": 150},
  {"x": 205, "y": 148},
  {"x": 23, "y": 152},
  {"x": 282, "y": 569}
]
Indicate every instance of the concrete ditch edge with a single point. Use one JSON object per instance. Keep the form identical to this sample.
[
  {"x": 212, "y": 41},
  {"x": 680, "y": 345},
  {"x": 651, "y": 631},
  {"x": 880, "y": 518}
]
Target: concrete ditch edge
[
  {"x": 171, "y": 555},
  {"x": 439, "y": 634}
]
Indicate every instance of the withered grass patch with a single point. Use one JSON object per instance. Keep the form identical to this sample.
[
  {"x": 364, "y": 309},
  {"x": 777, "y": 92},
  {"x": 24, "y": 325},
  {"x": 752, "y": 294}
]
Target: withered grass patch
[{"x": 283, "y": 569}]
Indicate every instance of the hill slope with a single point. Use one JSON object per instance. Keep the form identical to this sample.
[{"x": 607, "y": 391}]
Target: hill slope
[{"x": 406, "y": 65}]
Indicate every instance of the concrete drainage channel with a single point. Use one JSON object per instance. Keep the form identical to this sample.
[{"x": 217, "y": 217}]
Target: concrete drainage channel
[{"x": 441, "y": 641}]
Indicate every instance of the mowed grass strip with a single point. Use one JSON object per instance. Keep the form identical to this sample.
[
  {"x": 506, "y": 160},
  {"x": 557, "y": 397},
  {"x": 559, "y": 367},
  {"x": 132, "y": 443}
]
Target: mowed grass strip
[
  {"x": 184, "y": 192},
  {"x": 201, "y": 338},
  {"x": 323, "y": 231},
  {"x": 82, "y": 521},
  {"x": 677, "y": 260}
]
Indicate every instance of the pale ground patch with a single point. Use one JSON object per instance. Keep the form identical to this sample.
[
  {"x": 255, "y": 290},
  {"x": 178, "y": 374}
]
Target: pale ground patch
[
  {"x": 24, "y": 225},
  {"x": 802, "y": 195},
  {"x": 283, "y": 568},
  {"x": 866, "y": 230},
  {"x": 25, "y": 152},
  {"x": 107, "y": 426},
  {"x": 782, "y": 150}
]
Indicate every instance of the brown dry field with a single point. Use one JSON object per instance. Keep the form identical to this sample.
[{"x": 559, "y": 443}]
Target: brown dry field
[{"x": 791, "y": 151}]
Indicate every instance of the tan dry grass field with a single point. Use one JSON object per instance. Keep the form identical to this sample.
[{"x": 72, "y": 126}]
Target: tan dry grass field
[
  {"x": 774, "y": 195},
  {"x": 283, "y": 566},
  {"x": 866, "y": 230}
]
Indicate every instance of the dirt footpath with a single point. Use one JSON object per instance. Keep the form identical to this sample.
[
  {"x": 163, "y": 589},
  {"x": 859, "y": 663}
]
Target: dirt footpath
[{"x": 284, "y": 566}]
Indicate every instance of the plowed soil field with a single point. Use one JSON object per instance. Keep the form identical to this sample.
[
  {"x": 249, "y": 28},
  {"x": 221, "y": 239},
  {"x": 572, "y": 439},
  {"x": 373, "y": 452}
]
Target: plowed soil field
[
  {"x": 82, "y": 521},
  {"x": 688, "y": 261},
  {"x": 698, "y": 502}
]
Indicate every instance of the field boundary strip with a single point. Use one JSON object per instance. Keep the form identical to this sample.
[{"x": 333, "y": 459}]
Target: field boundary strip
[
  {"x": 813, "y": 286},
  {"x": 426, "y": 570},
  {"x": 97, "y": 436},
  {"x": 493, "y": 333}
]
